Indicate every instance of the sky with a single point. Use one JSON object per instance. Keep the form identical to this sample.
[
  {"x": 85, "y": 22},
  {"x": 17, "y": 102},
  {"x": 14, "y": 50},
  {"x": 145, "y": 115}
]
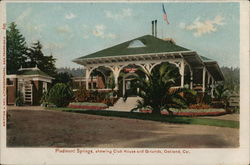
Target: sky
[{"x": 72, "y": 30}]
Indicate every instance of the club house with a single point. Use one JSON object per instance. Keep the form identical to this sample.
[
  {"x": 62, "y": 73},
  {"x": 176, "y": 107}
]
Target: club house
[{"x": 121, "y": 64}]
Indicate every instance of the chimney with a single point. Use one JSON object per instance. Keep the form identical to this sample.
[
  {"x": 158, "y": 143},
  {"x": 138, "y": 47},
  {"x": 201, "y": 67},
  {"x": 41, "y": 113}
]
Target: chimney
[{"x": 153, "y": 28}]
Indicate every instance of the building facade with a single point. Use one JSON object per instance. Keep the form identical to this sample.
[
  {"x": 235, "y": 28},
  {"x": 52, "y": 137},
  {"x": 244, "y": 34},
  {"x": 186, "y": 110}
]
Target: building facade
[{"x": 122, "y": 62}]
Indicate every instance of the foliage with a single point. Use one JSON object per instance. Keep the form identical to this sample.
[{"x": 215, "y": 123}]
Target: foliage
[
  {"x": 60, "y": 95},
  {"x": 44, "y": 99},
  {"x": 232, "y": 79},
  {"x": 220, "y": 92},
  {"x": 18, "y": 54},
  {"x": 111, "y": 82},
  {"x": 16, "y": 49},
  {"x": 191, "y": 97},
  {"x": 83, "y": 95},
  {"x": 207, "y": 98},
  {"x": 37, "y": 58},
  {"x": 199, "y": 106},
  {"x": 75, "y": 72},
  {"x": 19, "y": 99},
  {"x": 157, "y": 89},
  {"x": 63, "y": 77}
]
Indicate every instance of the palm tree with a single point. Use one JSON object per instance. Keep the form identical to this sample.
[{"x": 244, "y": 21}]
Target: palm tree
[
  {"x": 157, "y": 90},
  {"x": 220, "y": 92}
]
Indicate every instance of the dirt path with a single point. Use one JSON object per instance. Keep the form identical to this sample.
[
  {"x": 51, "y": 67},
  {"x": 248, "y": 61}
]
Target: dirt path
[{"x": 29, "y": 128}]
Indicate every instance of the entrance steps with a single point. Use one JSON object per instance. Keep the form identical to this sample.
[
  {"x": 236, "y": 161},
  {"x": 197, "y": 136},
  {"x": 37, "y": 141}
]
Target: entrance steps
[{"x": 125, "y": 106}]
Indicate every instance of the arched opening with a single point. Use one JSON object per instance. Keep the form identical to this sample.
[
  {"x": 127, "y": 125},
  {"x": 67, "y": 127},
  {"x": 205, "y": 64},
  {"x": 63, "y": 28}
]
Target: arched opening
[
  {"x": 175, "y": 74},
  {"x": 101, "y": 78},
  {"x": 127, "y": 80}
]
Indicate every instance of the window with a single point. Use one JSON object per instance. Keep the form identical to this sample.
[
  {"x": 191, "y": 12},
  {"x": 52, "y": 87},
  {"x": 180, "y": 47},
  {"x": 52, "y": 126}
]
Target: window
[{"x": 136, "y": 44}]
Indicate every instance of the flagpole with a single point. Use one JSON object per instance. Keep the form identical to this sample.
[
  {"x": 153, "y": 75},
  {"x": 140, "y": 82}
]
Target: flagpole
[
  {"x": 162, "y": 20},
  {"x": 163, "y": 33}
]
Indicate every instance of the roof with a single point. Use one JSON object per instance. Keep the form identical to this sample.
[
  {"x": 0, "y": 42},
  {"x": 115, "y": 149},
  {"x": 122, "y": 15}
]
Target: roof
[
  {"x": 152, "y": 45},
  {"x": 214, "y": 69},
  {"x": 32, "y": 72},
  {"x": 148, "y": 45},
  {"x": 205, "y": 59}
]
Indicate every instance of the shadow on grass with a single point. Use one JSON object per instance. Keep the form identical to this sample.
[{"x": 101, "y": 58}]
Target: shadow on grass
[{"x": 160, "y": 118}]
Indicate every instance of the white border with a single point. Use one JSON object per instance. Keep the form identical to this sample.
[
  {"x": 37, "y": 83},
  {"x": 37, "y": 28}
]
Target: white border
[{"x": 198, "y": 156}]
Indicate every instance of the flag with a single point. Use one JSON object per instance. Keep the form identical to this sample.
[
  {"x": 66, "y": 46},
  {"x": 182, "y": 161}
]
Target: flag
[{"x": 165, "y": 16}]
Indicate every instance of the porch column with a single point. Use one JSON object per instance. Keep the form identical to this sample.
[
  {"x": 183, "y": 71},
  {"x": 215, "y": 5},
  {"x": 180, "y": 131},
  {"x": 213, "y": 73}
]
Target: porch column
[
  {"x": 191, "y": 78},
  {"x": 212, "y": 90},
  {"x": 92, "y": 84},
  {"x": 123, "y": 86},
  {"x": 87, "y": 78},
  {"x": 116, "y": 75},
  {"x": 203, "y": 79},
  {"x": 208, "y": 79},
  {"x": 182, "y": 71}
]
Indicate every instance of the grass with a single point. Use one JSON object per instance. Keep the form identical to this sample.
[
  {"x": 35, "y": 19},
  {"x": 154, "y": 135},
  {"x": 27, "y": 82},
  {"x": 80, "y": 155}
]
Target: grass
[
  {"x": 89, "y": 104},
  {"x": 160, "y": 118}
]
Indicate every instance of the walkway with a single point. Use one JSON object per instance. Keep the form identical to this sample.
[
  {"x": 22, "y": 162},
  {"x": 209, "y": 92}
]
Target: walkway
[{"x": 125, "y": 106}]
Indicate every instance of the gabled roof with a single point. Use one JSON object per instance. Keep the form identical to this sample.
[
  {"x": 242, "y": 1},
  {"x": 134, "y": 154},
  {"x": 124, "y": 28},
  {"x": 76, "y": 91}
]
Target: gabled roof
[{"x": 151, "y": 45}]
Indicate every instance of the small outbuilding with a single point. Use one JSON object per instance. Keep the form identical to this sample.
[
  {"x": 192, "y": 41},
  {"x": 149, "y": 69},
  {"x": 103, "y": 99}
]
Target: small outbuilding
[{"x": 29, "y": 84}]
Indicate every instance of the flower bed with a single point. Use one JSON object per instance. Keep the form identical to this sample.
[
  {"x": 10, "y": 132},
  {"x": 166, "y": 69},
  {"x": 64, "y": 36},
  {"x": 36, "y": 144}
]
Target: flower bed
[
  {"x": 191, "y": 112},
  {"x": 87, "y": 105}
]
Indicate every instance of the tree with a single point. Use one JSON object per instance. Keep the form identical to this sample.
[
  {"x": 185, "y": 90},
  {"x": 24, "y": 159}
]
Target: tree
[
  {"x": 63, "y": 77},
  {"x": 156, "y": 90},
  {"x": 37, "y": 58},
  {"x": 220, "y": 92},
  {"x": 232, "y": 79},
  {"x": 16, "y": 49}
]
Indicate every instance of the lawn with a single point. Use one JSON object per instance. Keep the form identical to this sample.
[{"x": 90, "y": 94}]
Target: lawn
[{"x": 160, "y": 118}]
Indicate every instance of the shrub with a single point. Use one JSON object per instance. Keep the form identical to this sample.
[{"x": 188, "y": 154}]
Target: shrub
[
  {"x": 107, "y": 97},
  {"x": 60, "y": 95},
  {"x": 190, "y": 97},
  {"x": 199, "y": 106},
  {"x": 82, "y": 95},
  {"x": 19, "y": 99},
  {"x": 44, "y": 99}
]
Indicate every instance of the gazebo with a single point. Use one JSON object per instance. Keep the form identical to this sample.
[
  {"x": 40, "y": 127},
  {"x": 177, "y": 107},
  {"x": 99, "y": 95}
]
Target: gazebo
[{"x": 146, "y": 52}]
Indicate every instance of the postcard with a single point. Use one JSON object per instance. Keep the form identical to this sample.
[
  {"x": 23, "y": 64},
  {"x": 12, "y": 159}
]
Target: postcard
[{"x": 128, "y": 82}]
